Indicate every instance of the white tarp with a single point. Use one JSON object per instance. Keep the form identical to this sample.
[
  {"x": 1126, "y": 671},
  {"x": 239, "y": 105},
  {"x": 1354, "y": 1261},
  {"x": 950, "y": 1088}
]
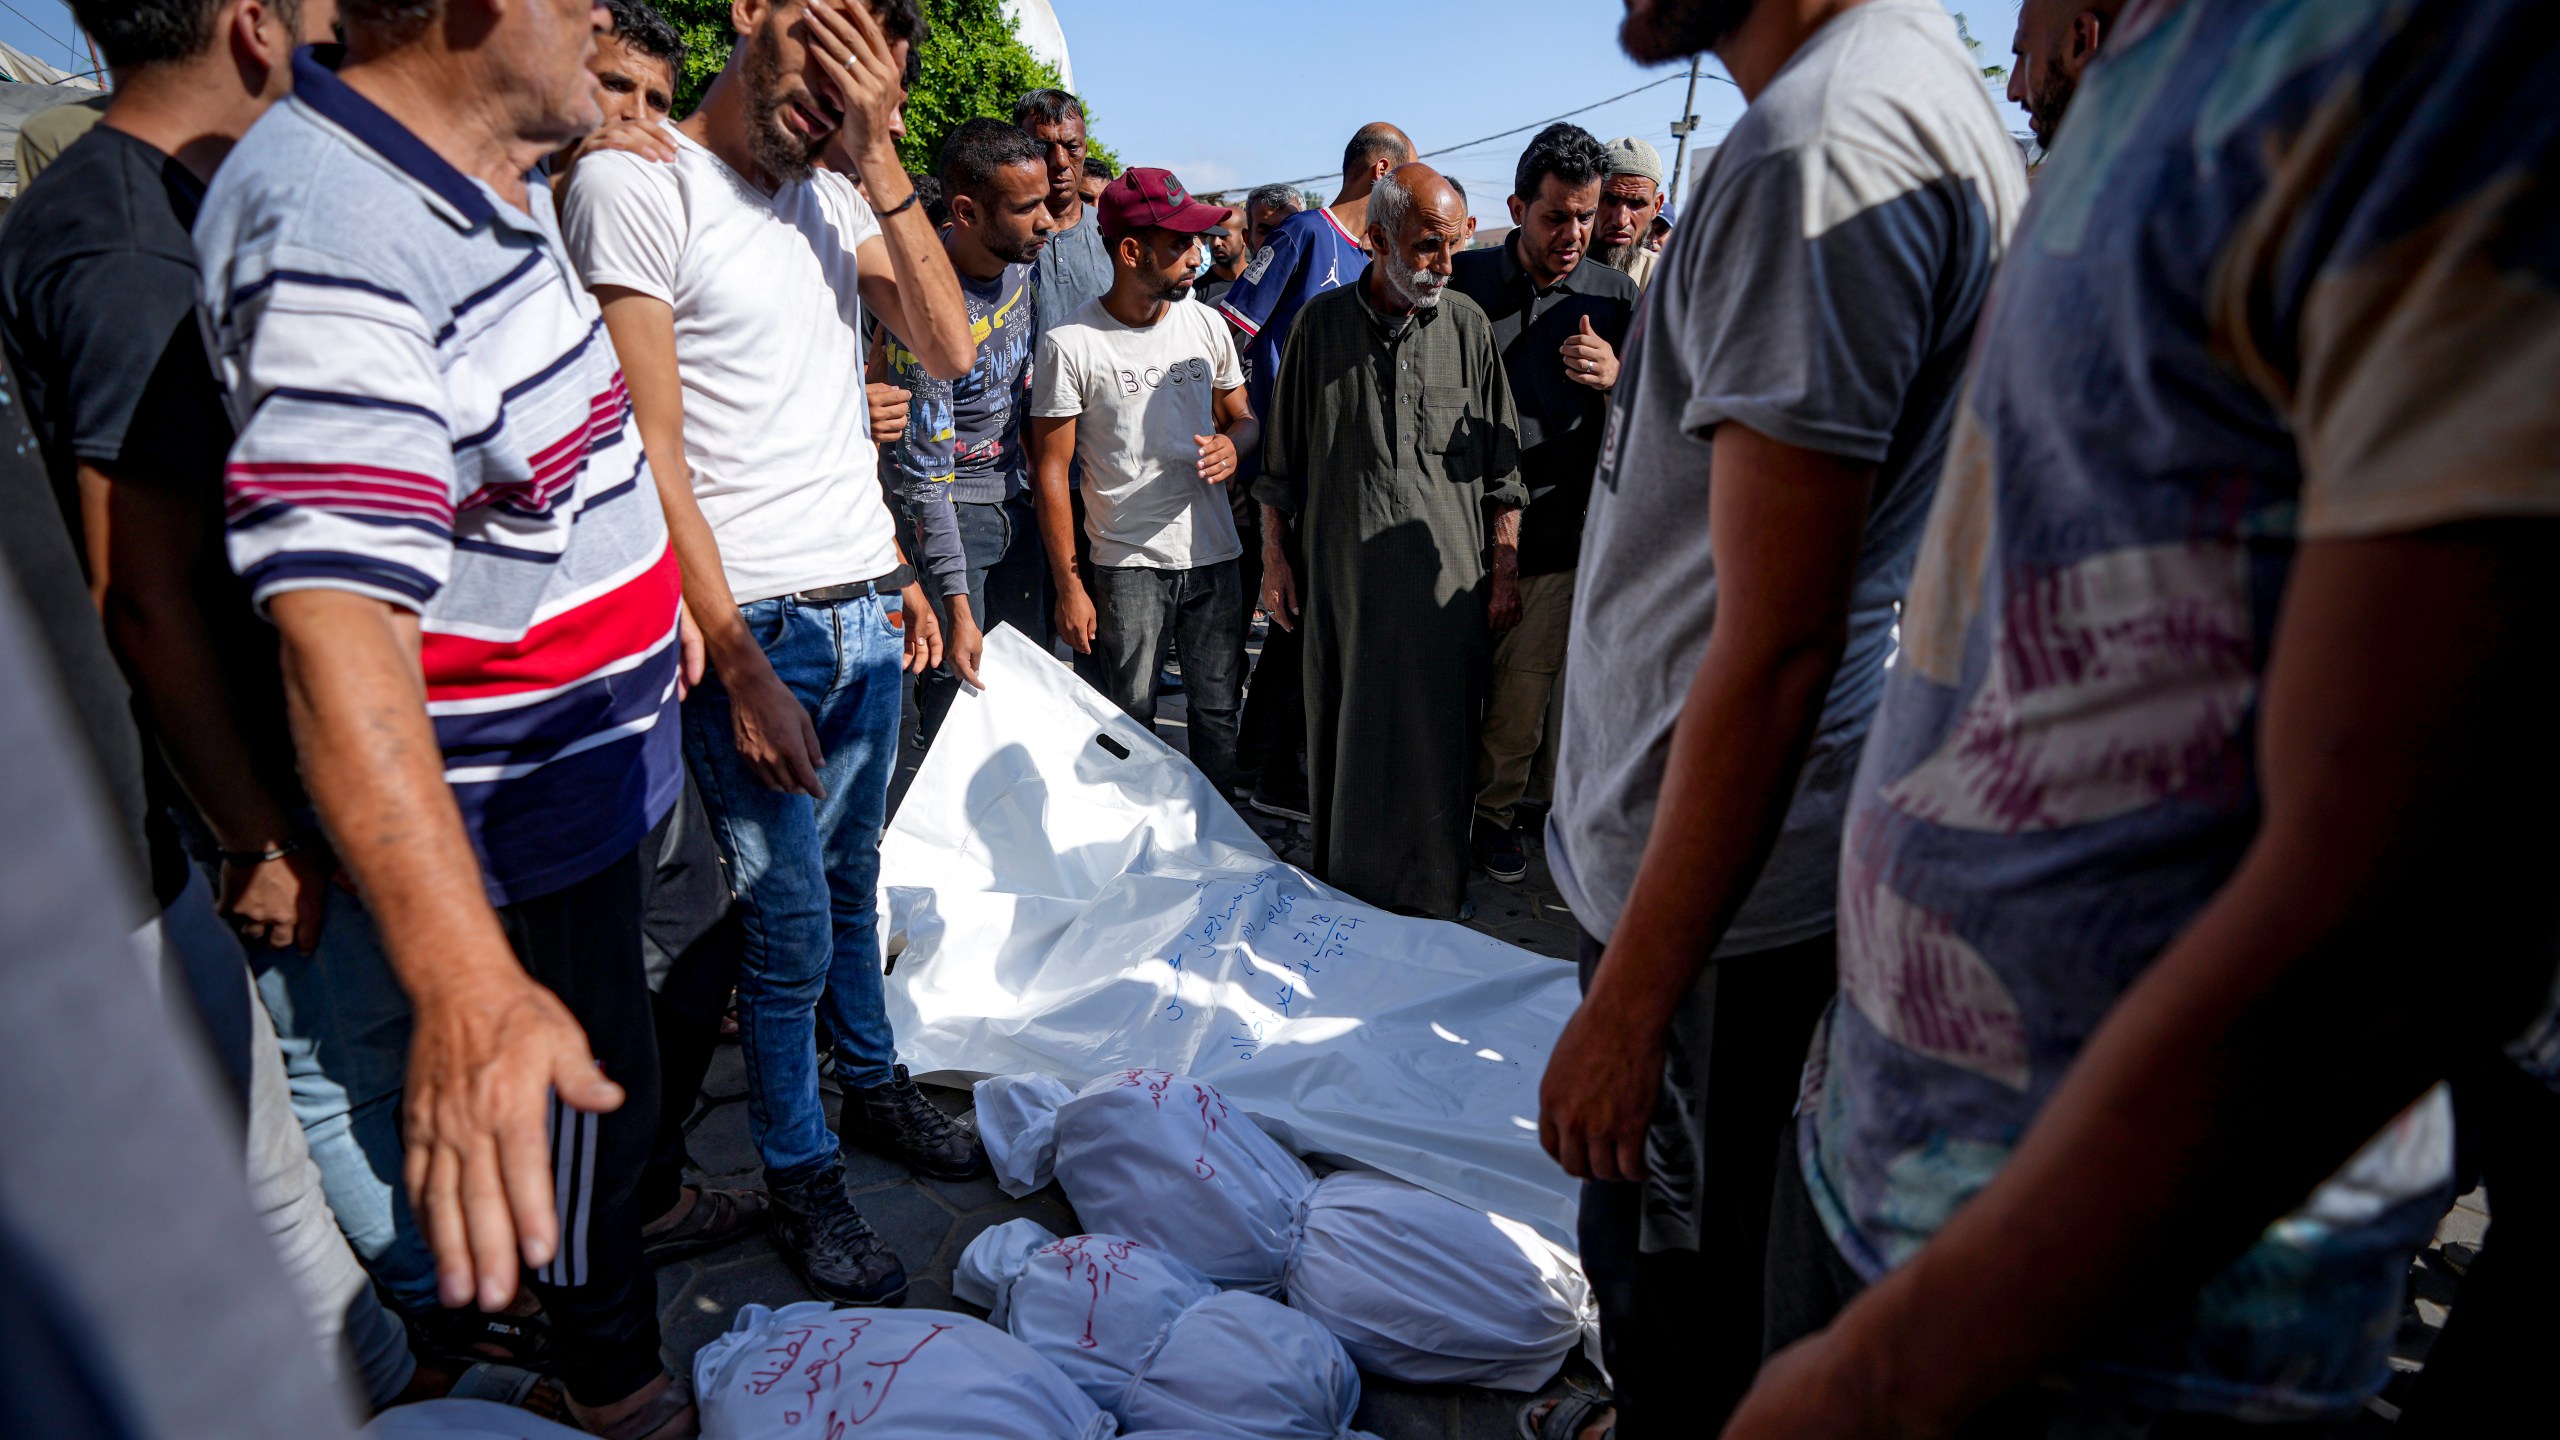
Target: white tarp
[{"x": 1065, "y": 894}]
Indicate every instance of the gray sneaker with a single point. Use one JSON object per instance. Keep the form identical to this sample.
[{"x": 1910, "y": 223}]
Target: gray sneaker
[{"x": 897, "y": 1121}]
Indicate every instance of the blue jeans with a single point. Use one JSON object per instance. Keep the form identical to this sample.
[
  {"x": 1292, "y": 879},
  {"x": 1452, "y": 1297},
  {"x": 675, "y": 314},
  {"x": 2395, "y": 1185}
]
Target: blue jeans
[
  {"x": 807, "y": 871},
  {"x": 1006, "y": 568},
  {"x": 342, "y": 1021}
]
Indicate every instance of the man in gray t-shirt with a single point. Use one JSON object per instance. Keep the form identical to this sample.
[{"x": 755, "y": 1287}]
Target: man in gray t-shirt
[{"x": 1775, "y": 439}]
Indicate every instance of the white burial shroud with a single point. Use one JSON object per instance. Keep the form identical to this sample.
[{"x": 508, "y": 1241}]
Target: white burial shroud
[{"x": 1062, "y": 892}]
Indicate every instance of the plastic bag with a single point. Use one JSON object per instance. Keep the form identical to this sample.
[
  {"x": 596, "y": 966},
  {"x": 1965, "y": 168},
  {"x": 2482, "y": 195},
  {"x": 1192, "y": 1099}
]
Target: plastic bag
[
  {"x": 812, "y": 1370},
  {"x": 463, "y": 1420},
  {"x": 1151, "y": 1340},
  {"x": 1417, "y": 1287},
  {"x": 1167, "y": 1160},
  {"x": 1018, "y": 1115},
  {"x": 1427, "y": 1291},
  {"x": 1068, "y": 896}
]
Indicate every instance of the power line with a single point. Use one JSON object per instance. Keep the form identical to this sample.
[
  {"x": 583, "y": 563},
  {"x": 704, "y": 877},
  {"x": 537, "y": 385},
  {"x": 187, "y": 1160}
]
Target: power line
[
  {"x": 67, "y": 47},
  {"x": 1503, "y": 134}
]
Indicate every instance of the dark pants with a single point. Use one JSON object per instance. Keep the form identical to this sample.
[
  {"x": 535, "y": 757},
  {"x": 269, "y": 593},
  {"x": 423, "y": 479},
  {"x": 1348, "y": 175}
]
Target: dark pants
[
  {"x": 1676, "y": 1263},
  {"x": 1137, "y": 612},
  {"x": 691, "y": 935},
  {"x": 1006, "y": 579},
  {"x": 1275, "y": 713},
  {"x": 583, "y": 944},
  {"x": 1809, "y": 1284},
  {"x": 2486, "y": 1369}
]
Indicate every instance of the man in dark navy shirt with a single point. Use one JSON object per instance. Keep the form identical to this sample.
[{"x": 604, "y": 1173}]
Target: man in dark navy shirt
[{"x": 1560, "y": 318}]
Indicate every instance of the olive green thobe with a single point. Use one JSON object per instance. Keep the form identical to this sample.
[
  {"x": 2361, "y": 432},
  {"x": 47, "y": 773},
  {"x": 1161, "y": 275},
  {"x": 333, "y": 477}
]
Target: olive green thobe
[{"x": 1392, "y": 441}]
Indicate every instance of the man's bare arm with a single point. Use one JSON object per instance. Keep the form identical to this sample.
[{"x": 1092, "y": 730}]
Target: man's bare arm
[
  {"x": 1787, "y": 524},
  {"x": 145, "y": 543},
  {"x": 491, "y": 1045},
  {"x": 1502, "y": 609},
  {"x": 774, "y": 733},
  {"x": 1053, "y": 447},
  {"x": 2386, "y": 922}
]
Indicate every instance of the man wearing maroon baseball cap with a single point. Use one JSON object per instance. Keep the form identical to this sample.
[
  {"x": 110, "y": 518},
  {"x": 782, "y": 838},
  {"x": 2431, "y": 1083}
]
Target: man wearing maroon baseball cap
[
  {"x": 1144, "y": 393},
  {"x": 1148, "y": 199}
]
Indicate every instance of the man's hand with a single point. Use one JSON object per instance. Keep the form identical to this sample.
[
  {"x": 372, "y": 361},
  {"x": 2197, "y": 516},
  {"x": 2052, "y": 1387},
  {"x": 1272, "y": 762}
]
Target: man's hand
[
  {"x": 772, "y": 730},
  {"x": 1588, "y": 360},
  {"x": 477, "y": 1126},
  {"x": 1812, "y": 1391},
  {"x": 888, "y": 412},
  {"x": 924, "y": 633},
  {"x": 689, "y": 652},
  {"x": 1217, "y": 458},
  {"x": 1279, "y": 589},
  {"x": 279, "y": 902},
  {"x": 1597, "y": 1098},
  {"x": 966, "y": 643},
  {"x": 854, "y": 56},
  {"x": 645, "y": 138},
  {"x": 1076, "y": 618}
]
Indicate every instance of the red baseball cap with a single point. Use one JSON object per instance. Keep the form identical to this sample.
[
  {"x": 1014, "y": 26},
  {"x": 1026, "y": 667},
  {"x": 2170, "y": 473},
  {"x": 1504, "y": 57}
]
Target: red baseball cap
[{"x": 1146, "y": 197}]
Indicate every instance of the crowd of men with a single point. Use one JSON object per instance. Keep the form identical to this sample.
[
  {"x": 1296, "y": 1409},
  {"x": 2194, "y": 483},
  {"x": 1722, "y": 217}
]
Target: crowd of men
[{"x": 2028, "y": 704}]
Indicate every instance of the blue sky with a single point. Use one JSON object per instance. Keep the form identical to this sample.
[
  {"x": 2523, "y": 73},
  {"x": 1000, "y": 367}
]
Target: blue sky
[
  {"x": 1259, "y": 90},
  {"x": 44, "y": 29}
]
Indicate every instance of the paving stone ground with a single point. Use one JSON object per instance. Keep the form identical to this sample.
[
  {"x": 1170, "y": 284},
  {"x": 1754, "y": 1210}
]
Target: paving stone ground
[{"x": 930, "y": 1222}]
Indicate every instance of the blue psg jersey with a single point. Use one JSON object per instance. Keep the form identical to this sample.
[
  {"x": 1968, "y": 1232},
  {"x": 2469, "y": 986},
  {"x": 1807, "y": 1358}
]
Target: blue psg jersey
[{"x": 1309, "y": 254}]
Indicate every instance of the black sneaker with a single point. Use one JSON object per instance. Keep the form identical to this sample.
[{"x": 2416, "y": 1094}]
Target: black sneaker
[
  {"x": 896, "y": 1120},
  {"x": 1283, "y": 795},
  {"x": 836, "y": 1250},
  {"x": 1501, "y": 854}
]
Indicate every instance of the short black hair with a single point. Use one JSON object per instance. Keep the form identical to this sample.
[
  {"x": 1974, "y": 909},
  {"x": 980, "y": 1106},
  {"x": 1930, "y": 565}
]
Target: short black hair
[
  {"x": 935, "y": 197},
  {"x": 972, "y": 154},
  {"x": 148, "y": 32},
  {"x": 1047, "y": 107},
  {"x": 1568, "y": 152},
  {"x": 1098, "y": 168},
  {"x": 638, "y": 24},
  {"x": 391, "y": 20},
  {"x": 1372, "y": 143},
  {"x": 905, "y": 20}
]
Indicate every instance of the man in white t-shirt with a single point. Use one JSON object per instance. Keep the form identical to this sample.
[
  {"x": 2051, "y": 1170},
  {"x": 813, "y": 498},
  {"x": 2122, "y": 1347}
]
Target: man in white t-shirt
[
  {"x": 1148, "y": 395},
  {"x": 733, "y": 280}
]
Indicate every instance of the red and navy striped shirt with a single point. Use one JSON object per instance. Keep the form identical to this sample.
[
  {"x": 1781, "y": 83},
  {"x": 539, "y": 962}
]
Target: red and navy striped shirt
[{"x": 430, "y": 413}]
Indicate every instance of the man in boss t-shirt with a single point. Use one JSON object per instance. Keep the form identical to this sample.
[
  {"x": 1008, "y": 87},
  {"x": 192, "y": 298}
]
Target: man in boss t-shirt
[
  {"x": 1148, "y": 394},
  {"x": 733, "y": 280}
]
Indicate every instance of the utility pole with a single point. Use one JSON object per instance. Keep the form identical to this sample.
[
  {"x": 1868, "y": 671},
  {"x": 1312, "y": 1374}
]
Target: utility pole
[{"x": 1684, "y": 127}]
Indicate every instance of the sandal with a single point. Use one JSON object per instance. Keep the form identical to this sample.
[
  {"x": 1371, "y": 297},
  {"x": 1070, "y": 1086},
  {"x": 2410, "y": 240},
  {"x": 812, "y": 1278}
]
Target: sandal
[
  {"x": 470, "y": 1337},
  {"x": 1566, "y": 1417},
  {"x": 718, "y": 1217},
  {"x": 672, "y": 1404},
  {"x": 516, "y": 1389}
]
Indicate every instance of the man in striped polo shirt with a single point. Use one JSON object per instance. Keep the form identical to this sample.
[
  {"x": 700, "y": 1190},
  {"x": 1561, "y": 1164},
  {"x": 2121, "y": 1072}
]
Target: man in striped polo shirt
[{"x": 439, "y": 499}]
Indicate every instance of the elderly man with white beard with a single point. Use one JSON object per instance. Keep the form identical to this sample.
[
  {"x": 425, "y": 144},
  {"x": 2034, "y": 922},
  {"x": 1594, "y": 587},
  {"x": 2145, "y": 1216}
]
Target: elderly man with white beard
[{"x": 1391, "y": 416}]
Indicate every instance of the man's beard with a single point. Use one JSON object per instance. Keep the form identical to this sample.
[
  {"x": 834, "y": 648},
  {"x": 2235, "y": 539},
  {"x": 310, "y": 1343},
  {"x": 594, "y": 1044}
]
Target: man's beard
[
  {"x": 1675, "y": 29},
  {"x": 778, "y": 152},
  {"x": 1617, "y": 257},
  {"x": 1420, "y": 289},
  {"x": 1023, "y": 251},
  {"x": 2048, "y": 101}
]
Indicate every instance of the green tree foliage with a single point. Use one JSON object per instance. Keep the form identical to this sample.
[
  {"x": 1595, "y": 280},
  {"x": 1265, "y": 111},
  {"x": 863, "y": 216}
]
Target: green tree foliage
[
  {"x": 973, "y": 65},
  {"x": 1997, "y": 75}
]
